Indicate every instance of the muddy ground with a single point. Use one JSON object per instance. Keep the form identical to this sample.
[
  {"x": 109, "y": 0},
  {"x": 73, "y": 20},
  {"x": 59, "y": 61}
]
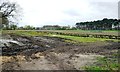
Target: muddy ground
[{"x": 51, "y": 53}]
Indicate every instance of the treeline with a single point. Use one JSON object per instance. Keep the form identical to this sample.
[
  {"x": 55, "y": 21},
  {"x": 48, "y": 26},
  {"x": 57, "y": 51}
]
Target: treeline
[
  {"x": 105, "y": 24},
  {"x": 15, "y": 27},
  {"x": 46, "y": 27}
]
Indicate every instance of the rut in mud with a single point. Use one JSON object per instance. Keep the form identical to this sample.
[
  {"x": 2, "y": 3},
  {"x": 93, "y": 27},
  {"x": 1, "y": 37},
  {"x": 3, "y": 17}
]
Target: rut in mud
[
  {"x": 52, "y": 53},
  {"x": 31, "y": 45}
]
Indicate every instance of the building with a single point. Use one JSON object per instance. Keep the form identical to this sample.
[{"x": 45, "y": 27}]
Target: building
[{"x": 51, "y": 27}]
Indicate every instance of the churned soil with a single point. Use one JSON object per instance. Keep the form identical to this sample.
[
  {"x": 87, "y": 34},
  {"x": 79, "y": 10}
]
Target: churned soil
[{"x": 52, "y": 53}]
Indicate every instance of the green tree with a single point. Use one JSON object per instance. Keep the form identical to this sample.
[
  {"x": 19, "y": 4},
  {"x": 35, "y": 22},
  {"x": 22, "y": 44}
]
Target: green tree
[
  {"x": 11, "y": 11},
  {"x": 13, "y": 27},
  {"x": 28, "y": 27},
  {"x": 105, "y": 24}
]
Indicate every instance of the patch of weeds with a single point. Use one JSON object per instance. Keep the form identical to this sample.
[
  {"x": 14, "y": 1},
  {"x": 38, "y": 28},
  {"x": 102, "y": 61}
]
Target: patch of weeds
[
  {"x": 105, "y": 63},
  {"x": 93, "y": 68},
  {"x": 71, "y": 41}
]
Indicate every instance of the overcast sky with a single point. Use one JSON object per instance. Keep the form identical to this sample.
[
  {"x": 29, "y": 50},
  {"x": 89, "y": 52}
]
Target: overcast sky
[{"x": 66, "y": 12}]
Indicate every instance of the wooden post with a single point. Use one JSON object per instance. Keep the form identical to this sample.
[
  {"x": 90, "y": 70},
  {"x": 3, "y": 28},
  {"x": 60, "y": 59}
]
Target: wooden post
[{"x": 1, "y": 26}]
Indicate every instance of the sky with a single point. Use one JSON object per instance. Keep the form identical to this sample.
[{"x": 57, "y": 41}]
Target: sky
[{"x": 38, "y": 13}]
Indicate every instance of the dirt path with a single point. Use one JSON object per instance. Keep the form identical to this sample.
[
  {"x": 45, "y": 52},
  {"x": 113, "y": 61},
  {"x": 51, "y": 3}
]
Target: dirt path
[
  {"x": 50, "y": 53},
  {"x": 57, "y": 62}
]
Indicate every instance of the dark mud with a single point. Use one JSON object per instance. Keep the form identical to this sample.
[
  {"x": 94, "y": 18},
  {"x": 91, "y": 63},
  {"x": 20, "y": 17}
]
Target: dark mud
[
  {"x": 31, "y": 45},
  {"x": 57, "y": 53}
]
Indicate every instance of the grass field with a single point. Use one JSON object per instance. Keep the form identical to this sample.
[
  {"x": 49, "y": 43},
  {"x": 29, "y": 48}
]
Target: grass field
[
  {"x": 74, "y": 38},
  {"x": 103, "y": 32},
  {"x": 82, "y": 39}
]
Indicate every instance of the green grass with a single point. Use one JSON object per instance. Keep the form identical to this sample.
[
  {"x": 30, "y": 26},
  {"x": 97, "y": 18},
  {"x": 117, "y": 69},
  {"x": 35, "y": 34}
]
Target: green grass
[
  {"x": 92, "y": 32},
  {"x": 81, "y": 39},
  {"x": 74, "y": 39},
  {"x": 105, "y": 63},
  {"x": 24, "y": 32},
  {"x": 85, "y": 30},
  {"x": 0, "y": 31}
]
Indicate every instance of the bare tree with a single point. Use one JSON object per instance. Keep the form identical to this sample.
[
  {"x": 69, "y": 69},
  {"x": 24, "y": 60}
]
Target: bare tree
[{"x": 11, "y": 11}]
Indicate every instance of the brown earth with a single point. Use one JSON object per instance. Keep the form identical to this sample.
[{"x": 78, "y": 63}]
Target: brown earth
[{"x": 52, "y": 53}]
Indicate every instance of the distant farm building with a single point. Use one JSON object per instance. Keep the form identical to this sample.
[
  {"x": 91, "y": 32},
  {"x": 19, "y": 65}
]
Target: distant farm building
[{"x": 51, "y": 27}]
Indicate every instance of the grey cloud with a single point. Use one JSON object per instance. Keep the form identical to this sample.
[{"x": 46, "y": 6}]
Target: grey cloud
[{"x": 109, "y": 9}]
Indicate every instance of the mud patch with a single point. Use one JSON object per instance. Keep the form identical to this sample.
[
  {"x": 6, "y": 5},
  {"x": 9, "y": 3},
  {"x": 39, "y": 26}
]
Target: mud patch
[
  {"x": 52, "y": 53},
  {"x": 51, "y": 61}
]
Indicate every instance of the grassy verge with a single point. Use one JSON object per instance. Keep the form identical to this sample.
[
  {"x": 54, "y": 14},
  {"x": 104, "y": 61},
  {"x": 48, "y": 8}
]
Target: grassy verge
[{"x": 105, "y": 63}]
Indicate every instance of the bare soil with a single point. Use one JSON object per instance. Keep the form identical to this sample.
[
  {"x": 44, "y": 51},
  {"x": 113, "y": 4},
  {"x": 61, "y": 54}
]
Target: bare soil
[{"x": 52, "y": 53}]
